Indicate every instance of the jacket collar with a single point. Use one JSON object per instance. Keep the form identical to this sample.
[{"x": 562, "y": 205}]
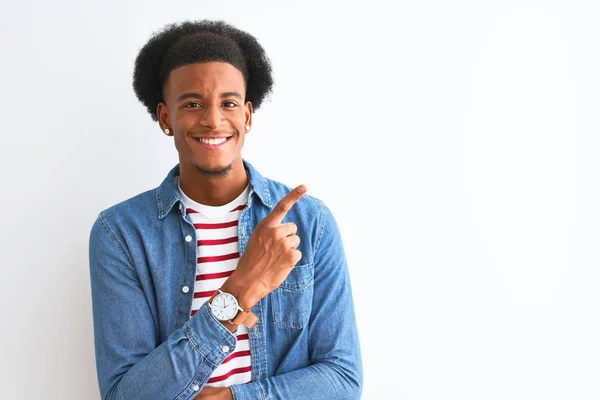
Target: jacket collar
[{"x": 167, "y": 194}]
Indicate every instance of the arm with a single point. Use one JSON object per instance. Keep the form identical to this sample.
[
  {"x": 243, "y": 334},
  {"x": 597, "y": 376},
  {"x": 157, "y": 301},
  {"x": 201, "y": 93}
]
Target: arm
[
  {"x": 214, "y": 393},
  {"x": 336, "y": 372},
  {"x": 131, "y": 363}
]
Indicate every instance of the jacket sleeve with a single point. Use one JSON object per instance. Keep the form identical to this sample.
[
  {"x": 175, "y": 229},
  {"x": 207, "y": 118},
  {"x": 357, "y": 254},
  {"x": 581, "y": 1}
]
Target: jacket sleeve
[
  {"x": 336, "y": 370},
  {"x": 131, "y": 363}
]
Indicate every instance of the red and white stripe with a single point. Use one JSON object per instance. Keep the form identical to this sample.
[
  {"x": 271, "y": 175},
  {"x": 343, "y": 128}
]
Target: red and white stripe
[{"x": 217, "y": 258}]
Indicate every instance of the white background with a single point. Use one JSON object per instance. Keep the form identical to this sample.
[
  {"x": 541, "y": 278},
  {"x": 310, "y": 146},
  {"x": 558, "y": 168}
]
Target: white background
[{"x": 455, "y": 142}]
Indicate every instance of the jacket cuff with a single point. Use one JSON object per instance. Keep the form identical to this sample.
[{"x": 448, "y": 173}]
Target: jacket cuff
[
  {"x": 208, "y": 335},
  {"x": 248, "y": 391}
]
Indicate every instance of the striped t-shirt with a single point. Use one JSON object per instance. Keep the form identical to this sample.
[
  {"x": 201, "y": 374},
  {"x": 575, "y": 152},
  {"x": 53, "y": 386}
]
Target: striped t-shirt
[{"x": 217, "y": 257}]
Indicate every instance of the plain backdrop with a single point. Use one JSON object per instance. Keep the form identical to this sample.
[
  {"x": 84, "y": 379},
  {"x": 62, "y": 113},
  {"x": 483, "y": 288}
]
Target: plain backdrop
[{"x": 457, "y": 144}]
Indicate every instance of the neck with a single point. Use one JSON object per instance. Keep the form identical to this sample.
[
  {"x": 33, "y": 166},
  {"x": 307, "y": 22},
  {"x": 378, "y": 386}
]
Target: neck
[{"x": 213, "y": 189}]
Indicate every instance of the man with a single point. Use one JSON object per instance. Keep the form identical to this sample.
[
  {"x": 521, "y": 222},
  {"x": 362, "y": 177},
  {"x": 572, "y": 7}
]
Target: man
[{"x": 219, "y": 283}]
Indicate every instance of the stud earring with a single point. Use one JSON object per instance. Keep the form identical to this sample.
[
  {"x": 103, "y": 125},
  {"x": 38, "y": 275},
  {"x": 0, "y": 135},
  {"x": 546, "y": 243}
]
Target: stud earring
[
  {"x": 247, "y": 128},
  {"x": 167, "y": 131}
]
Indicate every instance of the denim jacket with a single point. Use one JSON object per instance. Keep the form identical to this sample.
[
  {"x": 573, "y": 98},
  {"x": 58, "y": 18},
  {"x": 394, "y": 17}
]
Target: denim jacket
[{"x": 142, "y": 264}]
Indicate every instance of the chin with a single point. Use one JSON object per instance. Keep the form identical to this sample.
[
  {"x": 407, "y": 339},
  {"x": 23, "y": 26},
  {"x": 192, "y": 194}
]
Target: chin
[{"x": 217, "y": 170}]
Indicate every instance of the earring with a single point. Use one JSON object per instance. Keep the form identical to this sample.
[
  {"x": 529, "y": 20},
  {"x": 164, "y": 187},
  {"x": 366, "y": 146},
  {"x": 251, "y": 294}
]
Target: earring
[
  {"x": 247, "y": 128},
  {"x": 167, "y": 131}
]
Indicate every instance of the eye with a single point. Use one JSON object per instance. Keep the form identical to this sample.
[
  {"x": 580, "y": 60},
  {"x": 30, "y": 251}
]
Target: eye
[
  {"x": 230, "y": 104},
  {"x": 192, "y": 104}
]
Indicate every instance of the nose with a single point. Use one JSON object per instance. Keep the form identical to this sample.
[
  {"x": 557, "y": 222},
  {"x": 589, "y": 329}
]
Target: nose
[{"x": 211, "y": 117}]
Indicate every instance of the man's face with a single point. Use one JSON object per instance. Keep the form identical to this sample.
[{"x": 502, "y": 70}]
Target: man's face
[{"x": 206, "y": 101}]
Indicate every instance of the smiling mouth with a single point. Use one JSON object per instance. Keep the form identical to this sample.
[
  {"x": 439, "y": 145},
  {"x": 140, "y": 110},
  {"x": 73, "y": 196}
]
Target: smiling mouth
[{"x": 212, "y": 142}]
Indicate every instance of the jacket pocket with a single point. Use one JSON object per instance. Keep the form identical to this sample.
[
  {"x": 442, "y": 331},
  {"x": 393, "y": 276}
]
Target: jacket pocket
[{"x": 292, "y": 300}]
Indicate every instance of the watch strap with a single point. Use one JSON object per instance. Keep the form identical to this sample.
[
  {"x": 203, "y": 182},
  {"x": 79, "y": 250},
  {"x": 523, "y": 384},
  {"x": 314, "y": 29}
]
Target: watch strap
[{"x": 247, "y": 318}]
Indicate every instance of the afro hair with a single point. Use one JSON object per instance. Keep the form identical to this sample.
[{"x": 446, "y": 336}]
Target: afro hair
[{"x": 194, "y": 42}]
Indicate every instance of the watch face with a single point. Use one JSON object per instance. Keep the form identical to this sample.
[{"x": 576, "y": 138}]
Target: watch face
[{"x": 224, "y": 306}]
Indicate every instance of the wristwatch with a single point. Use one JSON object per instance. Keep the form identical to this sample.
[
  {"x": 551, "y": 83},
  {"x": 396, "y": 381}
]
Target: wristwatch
[{"x": 225, "y": 307}]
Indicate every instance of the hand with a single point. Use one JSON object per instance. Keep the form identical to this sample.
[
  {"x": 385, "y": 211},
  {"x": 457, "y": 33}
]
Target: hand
[
  {"x": 270, "y": 254},
  {"x": 214, "y": 393}
]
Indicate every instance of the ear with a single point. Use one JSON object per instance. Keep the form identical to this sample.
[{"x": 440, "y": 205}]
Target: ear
[
  {"x": 162, "y": 112},
  {"x": 248, "y": 114}
]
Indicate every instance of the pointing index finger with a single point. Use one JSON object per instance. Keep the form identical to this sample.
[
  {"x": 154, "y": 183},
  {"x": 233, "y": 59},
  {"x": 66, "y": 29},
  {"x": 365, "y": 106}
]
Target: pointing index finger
[{"x": 285, "y": 204}]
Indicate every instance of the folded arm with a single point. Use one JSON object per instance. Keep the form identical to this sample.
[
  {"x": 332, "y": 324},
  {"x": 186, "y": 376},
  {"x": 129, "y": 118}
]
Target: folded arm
[{"x": 131, "y": 362}]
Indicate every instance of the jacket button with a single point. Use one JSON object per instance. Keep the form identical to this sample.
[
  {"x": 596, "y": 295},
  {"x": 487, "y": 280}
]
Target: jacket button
[
  {"x": 185, "y": 289},
  {"x": 195, "y": 388},
  {"x": 188, "y": 238},
  {"x": 225, "y": 348}
]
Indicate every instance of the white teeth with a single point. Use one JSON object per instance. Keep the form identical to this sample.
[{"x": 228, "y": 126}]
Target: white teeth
[{"x": 212, "y": 141}]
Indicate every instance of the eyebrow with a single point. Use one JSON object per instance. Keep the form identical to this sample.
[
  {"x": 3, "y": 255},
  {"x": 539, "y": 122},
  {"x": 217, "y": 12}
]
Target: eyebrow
[{"x": 198, "y": 96}]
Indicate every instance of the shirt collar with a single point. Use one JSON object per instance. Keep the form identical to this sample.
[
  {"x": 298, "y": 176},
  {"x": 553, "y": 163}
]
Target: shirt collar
[{"x": 167, "y": 194}]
